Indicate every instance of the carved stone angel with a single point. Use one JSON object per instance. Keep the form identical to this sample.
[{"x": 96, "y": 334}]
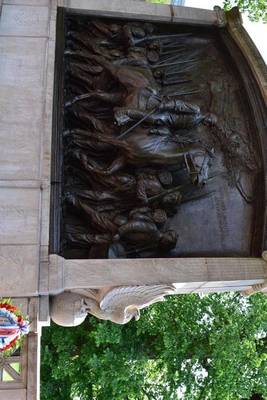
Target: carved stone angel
[{"x": 117, "y": 304}]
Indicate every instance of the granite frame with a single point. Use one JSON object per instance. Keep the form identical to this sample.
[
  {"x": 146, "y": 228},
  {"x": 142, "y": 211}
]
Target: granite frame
[{"x": 24, "y": 248}]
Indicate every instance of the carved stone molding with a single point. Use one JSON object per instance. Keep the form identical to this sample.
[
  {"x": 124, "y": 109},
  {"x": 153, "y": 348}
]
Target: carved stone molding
[
  {"x": 257, "y": 288},
  {"x": 56, "y": 275},
  {"x": 221, "y": 18},
  {"x": 189, "y": 274},
  {"x": 248, "y": 48},
  {"x": 144, "y": 11},
  {"x": 260, "y": 287}
]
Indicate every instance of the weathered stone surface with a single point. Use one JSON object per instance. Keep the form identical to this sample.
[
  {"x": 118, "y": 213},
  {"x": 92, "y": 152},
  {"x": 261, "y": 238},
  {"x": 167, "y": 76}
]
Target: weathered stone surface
[
  {"x": 20, "y": 159},
  {"x": 126, "y": 8},
  {"x": 18, "y": 104},
  {"x": 47, "y": 137},
  {"x": 22, "y": 61},
  {"x": 28, "y": 2},
  {"x": 195, "y": 16},
  {"x": 13, "y": 394},
  {"x": 24, "y": 21},
  {"x": 21, "y": 96},
  {"x": 45, "y": 199},
  {"x": 19, "y": 216},
  {"x": 21, "y": 80},
  {"x": 21, "y": 266},
  {"x": 190, "y": 274},
  {"x": 33, "y": 389}
]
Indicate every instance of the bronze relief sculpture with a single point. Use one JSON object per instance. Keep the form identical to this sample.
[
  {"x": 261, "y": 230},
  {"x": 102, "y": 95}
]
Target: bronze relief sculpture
[{"x": 146, "y": 142}]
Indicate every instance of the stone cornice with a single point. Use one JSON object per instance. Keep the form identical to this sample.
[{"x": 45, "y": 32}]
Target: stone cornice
[{"x": 249, "y": 50}]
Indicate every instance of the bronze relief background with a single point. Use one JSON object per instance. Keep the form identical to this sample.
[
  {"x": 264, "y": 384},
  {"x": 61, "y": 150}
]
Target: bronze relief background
[{"x": 159, "y": 152}]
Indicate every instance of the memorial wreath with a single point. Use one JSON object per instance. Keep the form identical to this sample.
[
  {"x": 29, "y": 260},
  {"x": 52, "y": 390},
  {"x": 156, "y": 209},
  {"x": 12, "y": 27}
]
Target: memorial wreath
[{"x": 13, "y": 326}]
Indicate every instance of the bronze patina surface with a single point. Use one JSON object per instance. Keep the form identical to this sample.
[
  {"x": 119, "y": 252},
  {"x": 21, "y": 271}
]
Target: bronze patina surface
[{"x": 160, "y": 158}]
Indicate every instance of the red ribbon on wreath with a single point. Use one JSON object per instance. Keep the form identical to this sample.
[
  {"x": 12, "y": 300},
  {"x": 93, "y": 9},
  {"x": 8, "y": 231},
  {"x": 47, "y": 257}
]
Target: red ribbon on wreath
[{"x": 13, "y": 326}]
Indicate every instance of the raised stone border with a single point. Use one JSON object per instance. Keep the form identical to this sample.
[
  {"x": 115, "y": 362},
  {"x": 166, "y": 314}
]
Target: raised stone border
[
  {"x": 143, "y": 10},
  {"x": 27, "y": 56}
]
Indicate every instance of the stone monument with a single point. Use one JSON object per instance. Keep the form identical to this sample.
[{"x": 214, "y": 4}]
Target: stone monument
[
  {"x": 154, "y": 157},
  {"x": 133, "y": 167}
]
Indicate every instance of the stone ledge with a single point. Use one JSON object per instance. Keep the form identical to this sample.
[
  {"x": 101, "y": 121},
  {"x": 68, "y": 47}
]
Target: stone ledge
[
  {"x": 122, "y": 9},
  {"x": 194, "y": 16},
  {"x": 36, "y": 3},
  {"x": 193, "y": 273},
  {"x": 142, "y": 10}
]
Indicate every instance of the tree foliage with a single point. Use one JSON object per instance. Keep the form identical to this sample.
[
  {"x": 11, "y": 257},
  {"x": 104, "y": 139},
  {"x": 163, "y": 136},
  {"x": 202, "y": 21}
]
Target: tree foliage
[
  {"x": 206, "y": 347},
  {"x": 255, "y": 9}
]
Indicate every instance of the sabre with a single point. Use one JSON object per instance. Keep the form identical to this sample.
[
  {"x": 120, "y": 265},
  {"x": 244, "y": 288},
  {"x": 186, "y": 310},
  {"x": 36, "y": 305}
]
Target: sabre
[
  {"x": 161, "y": 37},
  {"x": 175, "y": 189},
  {"x": 183, "y": 93},
  {"x": 173, "y": 49},
  {"x": 199, "y": 196},
  {"x": 170, "y": 82},
  {"x": 137, "y": 123},
  {"x": 169, "y": 58},
  {"x": 165, "y": 192},
  {"x": 174, "y": 73},
  {"x": 174, "y": 63},
  {"x": 153, "y": 110}
]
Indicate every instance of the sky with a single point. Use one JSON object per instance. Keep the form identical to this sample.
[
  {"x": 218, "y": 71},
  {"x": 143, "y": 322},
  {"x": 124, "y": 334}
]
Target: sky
[{"x": 256, "y": 30}]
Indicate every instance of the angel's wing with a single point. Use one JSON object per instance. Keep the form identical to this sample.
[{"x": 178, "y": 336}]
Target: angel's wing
[
  {"x": 91, "y": 293},
  {"x": 121, "y": 297}
]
